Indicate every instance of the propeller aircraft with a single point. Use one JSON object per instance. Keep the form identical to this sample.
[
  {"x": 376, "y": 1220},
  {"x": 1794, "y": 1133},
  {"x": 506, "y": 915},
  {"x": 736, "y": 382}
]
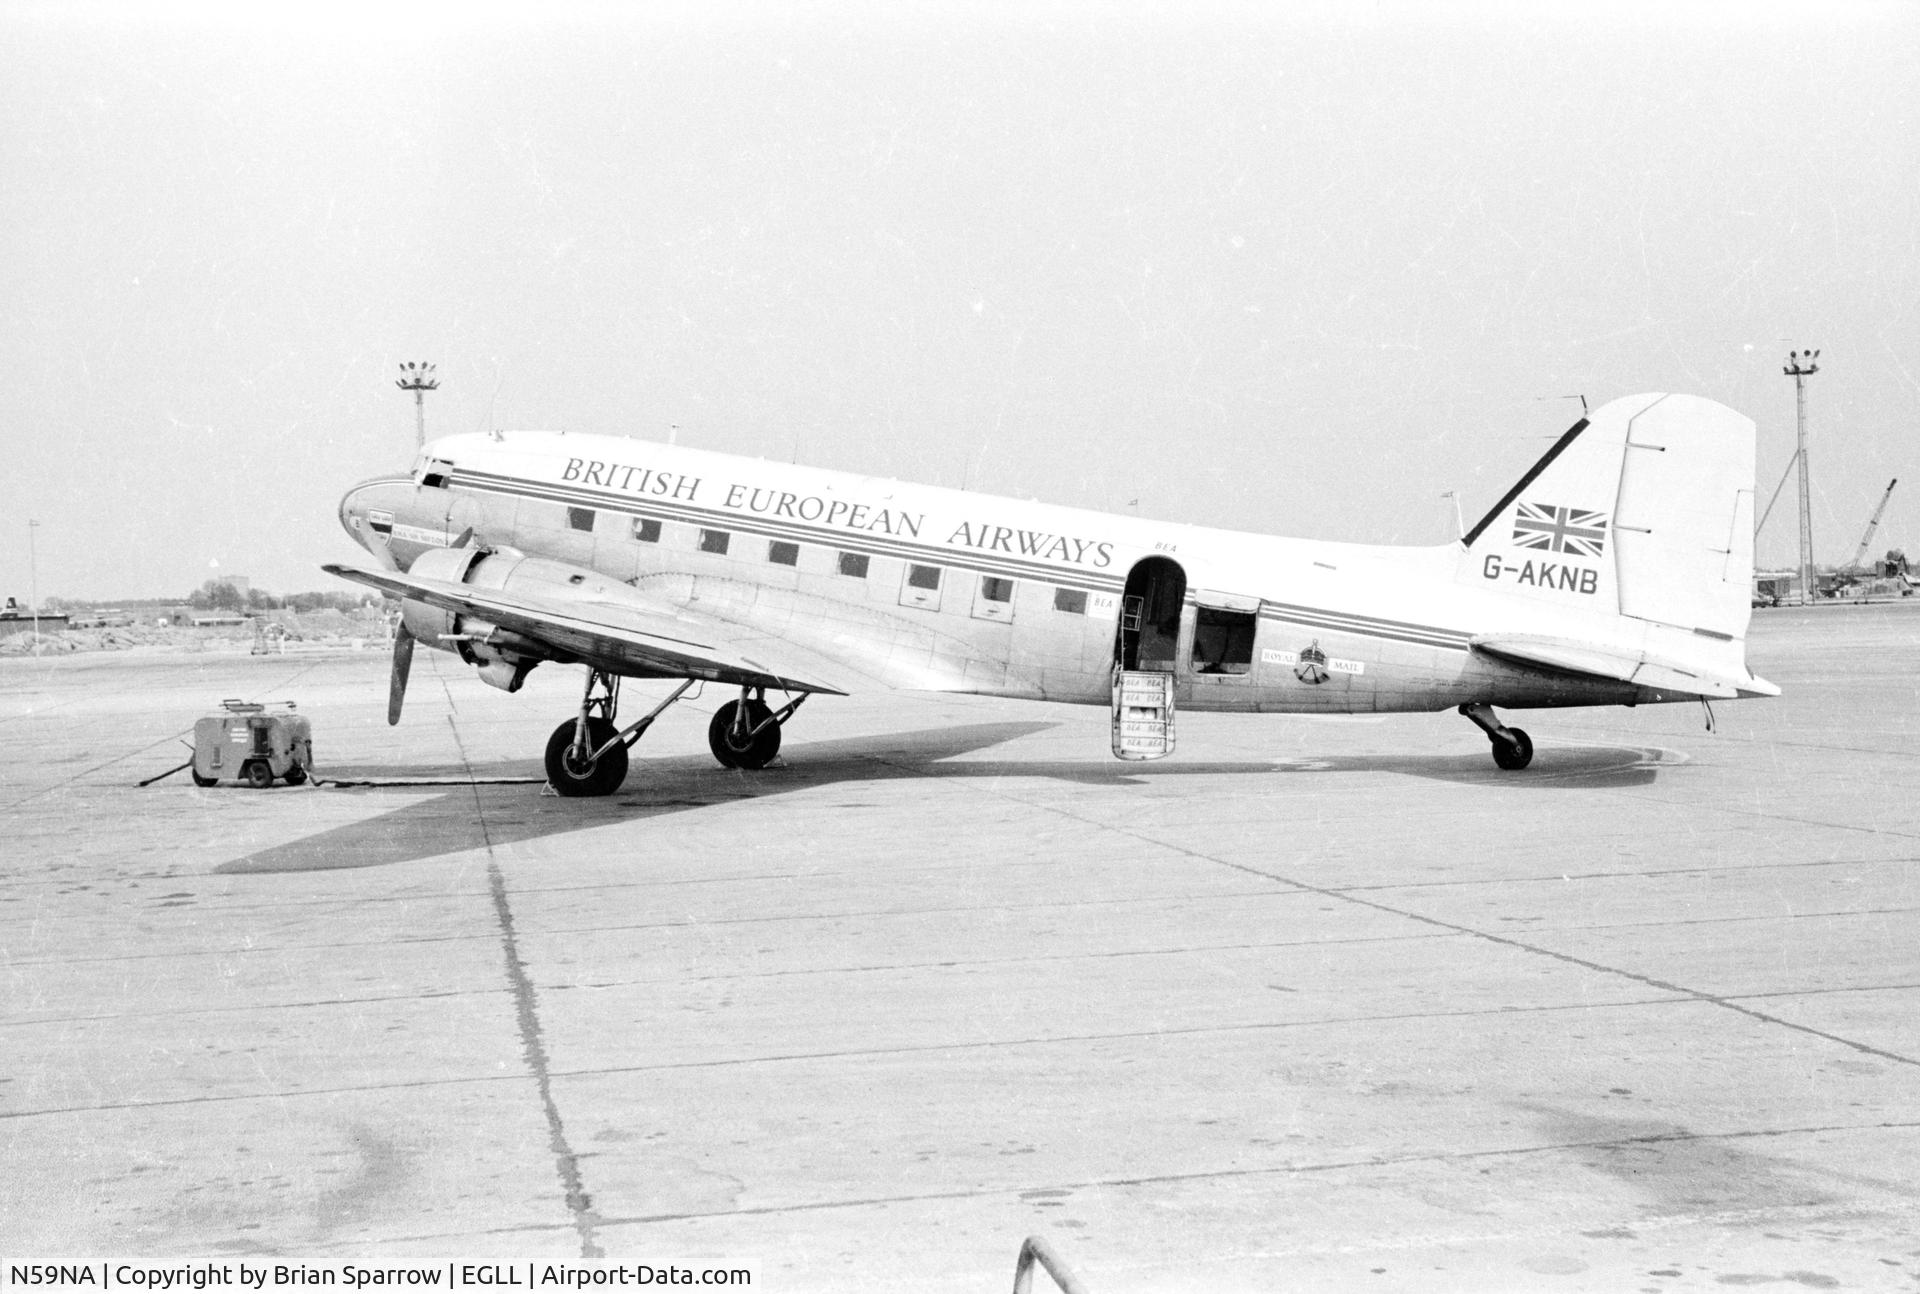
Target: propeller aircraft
[{"x": 1616, "y": 571}]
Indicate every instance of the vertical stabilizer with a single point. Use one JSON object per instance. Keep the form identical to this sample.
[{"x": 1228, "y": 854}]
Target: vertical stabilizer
[{"x": 1644, "y": 510}]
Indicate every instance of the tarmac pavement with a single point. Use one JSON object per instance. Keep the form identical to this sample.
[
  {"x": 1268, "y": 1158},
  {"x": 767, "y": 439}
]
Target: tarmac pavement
[{"x": 1311, "y": 1005}]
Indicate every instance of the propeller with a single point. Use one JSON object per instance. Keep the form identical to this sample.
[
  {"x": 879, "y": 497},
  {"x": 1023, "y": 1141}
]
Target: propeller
[
  {"x": 402, "y": 662},
  {"x": 380, "y": 546},
  {"x": 402, "y": 640}
]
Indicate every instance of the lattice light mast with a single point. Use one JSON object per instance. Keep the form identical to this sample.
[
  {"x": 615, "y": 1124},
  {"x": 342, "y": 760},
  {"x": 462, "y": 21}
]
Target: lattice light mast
[
  {"x": 1800, "y": 367},
  {"x": 419, "y": 379},
  {"x": 33, "y": 581}
]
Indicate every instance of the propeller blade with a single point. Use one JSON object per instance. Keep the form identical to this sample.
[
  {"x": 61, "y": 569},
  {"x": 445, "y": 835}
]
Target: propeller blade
[
  {"x": 379, "y": 546},
  {"x": 466, "y": 537},
  {"x": 402, "y": 663}
]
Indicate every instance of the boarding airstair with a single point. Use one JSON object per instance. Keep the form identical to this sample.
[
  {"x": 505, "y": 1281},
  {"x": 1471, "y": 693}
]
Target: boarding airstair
[{"x": 1142, "y": 713}]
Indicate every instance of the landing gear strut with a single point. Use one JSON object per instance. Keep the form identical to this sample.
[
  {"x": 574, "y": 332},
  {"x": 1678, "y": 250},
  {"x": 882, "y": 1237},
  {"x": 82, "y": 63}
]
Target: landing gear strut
[
  {"x": 745, "y": 733},
  {"x": 1512, "y": 748},
  {"x": 587, "y": 755}
]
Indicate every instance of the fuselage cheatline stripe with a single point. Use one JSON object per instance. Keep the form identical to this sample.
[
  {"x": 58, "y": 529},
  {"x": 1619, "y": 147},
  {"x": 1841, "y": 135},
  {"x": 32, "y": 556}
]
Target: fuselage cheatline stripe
[{"x": 692, "y": 514}]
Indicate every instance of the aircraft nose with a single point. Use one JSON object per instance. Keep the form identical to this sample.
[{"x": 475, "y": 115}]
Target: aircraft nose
[
  {"x": 353, "y": 514},
  {"x": 349, "y": 517},
  {"x": 367, "y": 510}
]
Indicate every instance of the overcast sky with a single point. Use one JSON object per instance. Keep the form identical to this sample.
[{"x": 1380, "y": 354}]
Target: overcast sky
[{"x": 1283, "y": 269}]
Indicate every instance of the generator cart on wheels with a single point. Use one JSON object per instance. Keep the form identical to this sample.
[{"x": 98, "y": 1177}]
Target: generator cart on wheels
[{"x": 253, "y": 742}]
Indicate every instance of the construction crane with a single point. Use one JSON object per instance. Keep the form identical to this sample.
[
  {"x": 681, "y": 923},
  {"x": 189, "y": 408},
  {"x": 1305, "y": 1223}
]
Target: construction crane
[{"x": 1860, "y": 553}]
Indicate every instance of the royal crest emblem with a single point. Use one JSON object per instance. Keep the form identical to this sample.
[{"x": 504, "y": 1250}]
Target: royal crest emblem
[{"x": 1313, "y": 665}]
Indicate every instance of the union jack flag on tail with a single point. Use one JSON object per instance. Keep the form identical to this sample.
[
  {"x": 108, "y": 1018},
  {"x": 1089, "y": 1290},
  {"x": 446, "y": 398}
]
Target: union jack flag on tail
[{"x": 1560, "y": 530}]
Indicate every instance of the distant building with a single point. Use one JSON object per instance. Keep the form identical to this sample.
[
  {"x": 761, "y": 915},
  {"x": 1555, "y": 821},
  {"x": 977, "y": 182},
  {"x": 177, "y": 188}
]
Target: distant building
[{"x": 14, "y": 617}]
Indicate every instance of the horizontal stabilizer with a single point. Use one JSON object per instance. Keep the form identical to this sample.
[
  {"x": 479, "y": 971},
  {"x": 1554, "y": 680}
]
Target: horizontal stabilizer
[{"x": 1625, "y": 665}]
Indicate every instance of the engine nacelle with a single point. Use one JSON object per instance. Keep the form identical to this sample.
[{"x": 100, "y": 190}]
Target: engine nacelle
[{"x": 501, "y": 656}]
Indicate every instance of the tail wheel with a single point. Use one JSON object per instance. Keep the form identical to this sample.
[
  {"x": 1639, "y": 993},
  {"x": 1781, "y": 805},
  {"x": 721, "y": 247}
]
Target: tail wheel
[
  {"x": 1516, "y": 754},
  {"x": 198, "y": 780},
  {"x": 735, "y": 751},
  {"x": 296, "y": 775},
  {"x": 258, "y": 775},
  {"x": 569, "y": 776}
]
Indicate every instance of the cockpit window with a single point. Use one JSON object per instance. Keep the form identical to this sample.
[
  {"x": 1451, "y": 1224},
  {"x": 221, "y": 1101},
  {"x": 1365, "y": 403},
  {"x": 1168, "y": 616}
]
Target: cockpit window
[{"x": 434, "y": 473}]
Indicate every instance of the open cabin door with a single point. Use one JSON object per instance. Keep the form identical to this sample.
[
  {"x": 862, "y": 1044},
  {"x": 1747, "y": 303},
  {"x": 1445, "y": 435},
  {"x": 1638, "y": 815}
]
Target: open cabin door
[{"x": 1146, "y": 646}]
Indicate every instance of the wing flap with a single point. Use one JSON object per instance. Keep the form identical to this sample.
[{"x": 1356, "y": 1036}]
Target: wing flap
[
  {"x": 631, "y": 636},
  {"x": 1603, "y": 661}
]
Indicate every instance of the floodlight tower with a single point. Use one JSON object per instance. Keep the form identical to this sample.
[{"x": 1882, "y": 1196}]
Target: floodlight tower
[
  {"x": 1800, "y": 367},
  {"x": 419, "y": 379},
  {"x": 33, "y": 581}
]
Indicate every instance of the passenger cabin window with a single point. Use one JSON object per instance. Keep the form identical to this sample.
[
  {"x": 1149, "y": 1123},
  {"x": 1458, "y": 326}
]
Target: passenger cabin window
[
  {"x": 714, "y": 541},
  {"x": 580, "y": 518},
  {"x": 782, "y": 553},
  {"x": 993, "y": 599},
  {"x": 920, "y": 587},
  {"x": 646, "y": 530},
  {"x": 854, "y": 564},
  {"x": 1223, "y": 641},
  {"x": 1072, "y": 601}
]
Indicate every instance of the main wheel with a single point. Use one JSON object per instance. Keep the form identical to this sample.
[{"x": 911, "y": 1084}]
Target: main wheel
[
  {"x": 258, "y": 775},
  {"x": 597, "y": 777},
  {"x": 1515, "y": 756},
  {"x": 756, "y": 751}
]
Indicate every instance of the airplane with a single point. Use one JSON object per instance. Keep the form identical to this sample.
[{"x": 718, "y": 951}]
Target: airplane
[{"x": 1615, "y": 571}]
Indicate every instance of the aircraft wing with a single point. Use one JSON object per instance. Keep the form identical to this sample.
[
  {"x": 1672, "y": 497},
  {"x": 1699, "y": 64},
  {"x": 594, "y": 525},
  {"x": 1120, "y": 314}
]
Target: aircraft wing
[
  {"x": 1603, "y": 661},
  {"x": 633, "y": 636}
]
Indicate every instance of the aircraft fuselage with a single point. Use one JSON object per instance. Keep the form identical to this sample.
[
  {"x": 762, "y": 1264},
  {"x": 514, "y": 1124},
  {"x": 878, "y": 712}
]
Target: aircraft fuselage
[{"x": 923, "y": 587}]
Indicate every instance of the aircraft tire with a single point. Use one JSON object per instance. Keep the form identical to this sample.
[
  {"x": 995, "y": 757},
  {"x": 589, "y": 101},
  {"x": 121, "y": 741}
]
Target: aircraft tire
[
  {"x": 1518, "y": 755},
  {"x": 759, "y": 750},
  {"x": 602, "y": 777},
  {"x": 258, "y": 775},
  {"x": 296, "y": 775}
]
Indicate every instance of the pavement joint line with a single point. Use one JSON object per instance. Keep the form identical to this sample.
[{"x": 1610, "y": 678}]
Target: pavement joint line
[
  {"x": 1327, "y": 1166},
  {"x": 1741, "y": 812},
  {"x": 1648, "y": 874},
  {"x": 1650, "y": 981},
  {"x": 858, "y": 1053},
  {"x": 1682, "y": 922},
  {"x": 878, "y": 969},
  {"x": 375, "y": 999},
  {"x": 1487, "y": 935},
  {"x": 17, "y": 884},
  {"x": 197, "y": 954},
  {"x": 532, "y": 1040},
  {"x": 1802, "y": 1213},
  {"x": 1676, "y": 997},
  {"x": 688, "y": 924}
]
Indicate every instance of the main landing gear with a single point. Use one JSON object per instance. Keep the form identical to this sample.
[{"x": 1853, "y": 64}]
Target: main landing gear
[
  {"x": 745, "y": 733},
  {"x": 587, "y": 755},
  {"x": 1512, "y": 748}
]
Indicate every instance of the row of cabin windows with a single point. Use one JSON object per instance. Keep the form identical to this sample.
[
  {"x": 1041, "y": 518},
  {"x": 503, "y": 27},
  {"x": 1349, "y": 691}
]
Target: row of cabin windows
[{"x": 781, "y": 552}]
